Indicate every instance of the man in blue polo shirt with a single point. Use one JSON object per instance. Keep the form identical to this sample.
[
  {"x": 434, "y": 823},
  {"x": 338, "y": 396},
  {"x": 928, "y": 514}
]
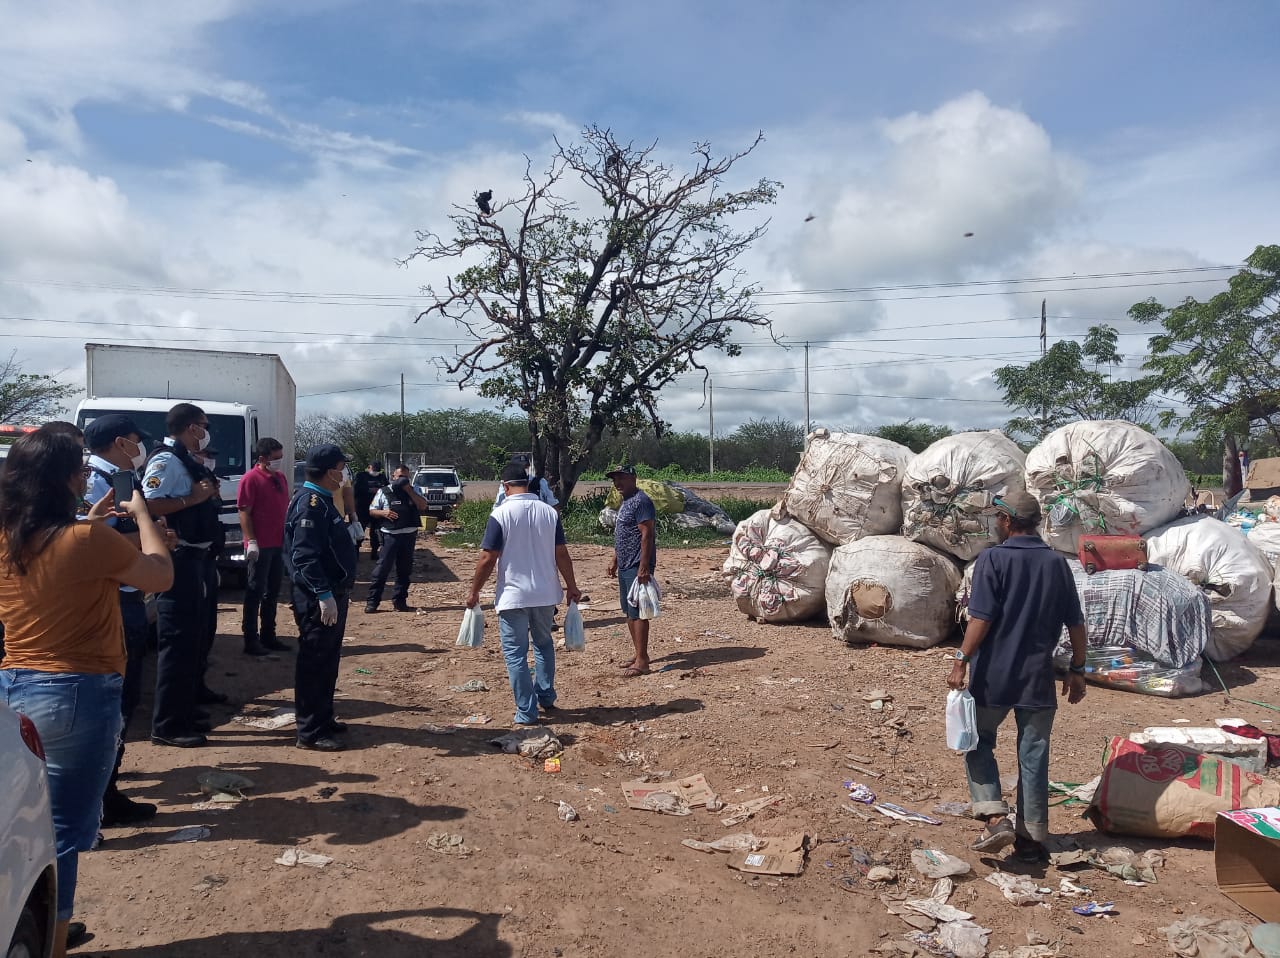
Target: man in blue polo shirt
[{"x": 1023, "y": 594}]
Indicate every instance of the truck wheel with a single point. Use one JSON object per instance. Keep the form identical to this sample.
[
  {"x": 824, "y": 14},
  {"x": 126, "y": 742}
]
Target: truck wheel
[{"x": 28, "y": 938}]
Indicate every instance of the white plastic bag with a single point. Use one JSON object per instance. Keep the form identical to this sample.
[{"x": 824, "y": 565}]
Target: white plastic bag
[
  {"x": 646, "y": 597},
  {"x": 962, "y": 721},
  {"x": 575, "y": 638},
  {"x": 471, "y": 632}
]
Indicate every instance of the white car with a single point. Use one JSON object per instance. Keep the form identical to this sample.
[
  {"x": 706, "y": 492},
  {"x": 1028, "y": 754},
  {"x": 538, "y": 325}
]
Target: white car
[
  {"x": 441, "y": 487},
  {"x": 28, "y": 854}
]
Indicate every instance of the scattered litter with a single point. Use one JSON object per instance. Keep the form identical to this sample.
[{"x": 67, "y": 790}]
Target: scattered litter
[
  {"x": 1068, "y": 888},
  {"x": 934, "y": 863},
  {"x": 881, "y": 873},
  {"x": 708, "y": 633},
  {"x": 778, "y": 856},
  {"x": 1026, "y": 951},
  {"x": 529, "y": 743},
  {"x": 472, "y": 685},
  {"x": 936, "y": 907},
  {"x": 192, "y": 833},
  {"x": 663, "y": 802},
  {"x": 964, "y": 939},
  {"x": 740, "y": 812},
  {"x": 1196, "y": 936},
  {"x": 218, "y": 782},
  {"x": 364, "y": 671},
  {"x": 860, "y": 793},
  {"x": 609, "y": 809},
  {"x": 218, "y": 803},
  {"x": 551, "y": 765},
  {"x": 328, "y": 791},
  {"x": 878, "y": 699},
  {"x": 1018, "y": 889},
  {"x": 209, "y": 883},
  {"x": 477, "y": 718},
  {"x": 715, "y": 803},
  {"x": 897, "y": 812},
  {"x": 449, "y": 843},
  {"x": 955, "y": 809},
  {"x": 1092, "y": 908},
  {"x": 1117, "y": 860},
  {"x": 433, "y": 729},
  {"x": 864, "y": 770},
  {"x": 296, "y": 856},
  {"x": 738, "y": 842},
  {"x": 280, "y": 718},
  {"x": 567, "y": 813}
]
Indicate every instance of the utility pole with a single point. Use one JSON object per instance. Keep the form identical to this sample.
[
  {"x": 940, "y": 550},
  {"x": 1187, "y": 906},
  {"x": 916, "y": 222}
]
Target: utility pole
[
  {"x": 806, "y": 389},
  {"x": 711, "y": 411},
  {"x": 402, "y": 417},
  {"x": 1044, "y": 339}
]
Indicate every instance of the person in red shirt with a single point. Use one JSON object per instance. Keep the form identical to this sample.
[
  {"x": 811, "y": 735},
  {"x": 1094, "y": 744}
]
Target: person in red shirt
[{"x": 263, "y": 500}]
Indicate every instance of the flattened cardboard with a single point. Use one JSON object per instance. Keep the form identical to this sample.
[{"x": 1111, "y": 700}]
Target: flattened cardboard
[
  {"x": 1246, "y": 858},
  {"x": 693, "y": 789},
  {"x": 1263, "y": 474},
  {"x": 778, "y": 856}
]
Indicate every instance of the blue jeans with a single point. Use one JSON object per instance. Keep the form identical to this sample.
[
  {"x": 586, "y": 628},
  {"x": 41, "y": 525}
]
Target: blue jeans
[
  {"x": 1034, "y": 726},
  {"x": 516, "y": 627},
  {"x": 78, "y": 718}
]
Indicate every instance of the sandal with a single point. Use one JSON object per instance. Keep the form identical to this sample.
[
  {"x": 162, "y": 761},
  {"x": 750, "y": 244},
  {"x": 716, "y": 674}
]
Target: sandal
[{"x": 995, "y": 837}]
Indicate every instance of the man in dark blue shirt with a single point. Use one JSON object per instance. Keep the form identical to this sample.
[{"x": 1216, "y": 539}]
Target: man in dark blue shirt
[
  {"x": 634, "y": 559},
  {"x": 320, "y": 559},
  {"x": 1022, "y": 595}
]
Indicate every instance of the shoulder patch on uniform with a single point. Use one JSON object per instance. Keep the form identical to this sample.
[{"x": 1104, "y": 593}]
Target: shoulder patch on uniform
[
  {"x": 158, "y": 464},
  {"x": 153, "y": 482},
  {"x": 306, "y": 524},
  {"x": 315, "y": 500}
]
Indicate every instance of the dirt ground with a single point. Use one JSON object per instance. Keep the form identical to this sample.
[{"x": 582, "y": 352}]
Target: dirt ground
[{"x": 759, "y": 709}]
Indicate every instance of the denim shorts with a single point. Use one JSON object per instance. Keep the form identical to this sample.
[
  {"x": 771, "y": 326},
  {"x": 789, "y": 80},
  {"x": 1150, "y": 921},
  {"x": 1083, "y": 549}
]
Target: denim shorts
[
  {"x": 77, "y": 716},
  {"x": 625, "y": 578}
]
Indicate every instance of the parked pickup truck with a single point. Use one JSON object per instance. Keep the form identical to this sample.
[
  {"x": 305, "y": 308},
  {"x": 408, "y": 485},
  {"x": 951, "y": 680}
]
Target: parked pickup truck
[{"x": 441, "y": 487}]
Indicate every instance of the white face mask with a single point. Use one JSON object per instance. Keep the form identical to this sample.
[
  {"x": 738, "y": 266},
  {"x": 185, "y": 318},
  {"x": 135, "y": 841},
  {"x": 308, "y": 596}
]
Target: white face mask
[
  {"x": 276, "y": 465},
  {"x": 138, "y": 461},
  {"x": 203, "y": 441}
]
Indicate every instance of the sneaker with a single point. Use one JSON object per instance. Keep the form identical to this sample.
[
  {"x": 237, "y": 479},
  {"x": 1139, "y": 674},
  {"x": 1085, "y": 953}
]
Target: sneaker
[
  {"x": 275, "y": 645},
  {"x": 256, "y": 649},
  {"x": 118, "y": 810},
  {"x": 180, "y": 741},
  {"x": 995, "y": 836},
  {"x": 77, "y": 934},
  {"x": 321, "y": 743}
]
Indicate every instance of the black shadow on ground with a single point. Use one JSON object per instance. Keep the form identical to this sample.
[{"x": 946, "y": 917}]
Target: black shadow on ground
[
  {"x": 348, "y": 936},
  {"x": 717, "y": 655}
]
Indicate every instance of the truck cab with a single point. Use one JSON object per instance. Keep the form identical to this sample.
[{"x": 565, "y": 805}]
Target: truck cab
[
  {"x": 441, "y": 487},
  {"x": 233, "y": 431}
]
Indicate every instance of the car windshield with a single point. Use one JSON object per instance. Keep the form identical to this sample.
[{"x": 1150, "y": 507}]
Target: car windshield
[
  {"x": 226, "y": 434},
  {"x": 435, "y": 479}
]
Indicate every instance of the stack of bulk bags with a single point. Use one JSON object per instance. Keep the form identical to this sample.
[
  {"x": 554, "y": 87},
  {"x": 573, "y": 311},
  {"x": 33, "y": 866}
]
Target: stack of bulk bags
[
  {"x": 1103, "y": 478},
  {"x": 847, "y": 486},
  {"x": 893, "y": 591},
  {"x": 948, "y": 490},
  {"x": 777, "y": 569},
  {"x": 1228, "y": 567}
]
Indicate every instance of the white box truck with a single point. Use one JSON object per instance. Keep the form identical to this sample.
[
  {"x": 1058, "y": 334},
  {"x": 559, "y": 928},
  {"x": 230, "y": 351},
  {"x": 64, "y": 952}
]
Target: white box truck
[{"x": 245, "y": 395}]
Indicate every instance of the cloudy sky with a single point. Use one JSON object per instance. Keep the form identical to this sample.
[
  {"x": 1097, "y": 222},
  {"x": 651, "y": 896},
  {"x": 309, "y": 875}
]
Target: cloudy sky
[{"x": 245, "y": 175}]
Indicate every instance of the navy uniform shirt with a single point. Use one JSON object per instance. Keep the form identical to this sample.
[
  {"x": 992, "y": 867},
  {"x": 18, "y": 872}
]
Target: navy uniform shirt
[
  {"x": 1027, "y": 593},
  {"x": 99, "y": 486},
  {"x": 319, "y": 552}
]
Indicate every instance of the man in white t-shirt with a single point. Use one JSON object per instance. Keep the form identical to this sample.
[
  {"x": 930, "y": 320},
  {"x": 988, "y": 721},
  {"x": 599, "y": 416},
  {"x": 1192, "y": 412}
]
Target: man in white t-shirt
[{"x": 525, "y": 541}]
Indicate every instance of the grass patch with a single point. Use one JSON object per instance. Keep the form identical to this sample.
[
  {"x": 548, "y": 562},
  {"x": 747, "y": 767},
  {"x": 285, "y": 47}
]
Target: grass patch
[{"x": 581, "y": 520}]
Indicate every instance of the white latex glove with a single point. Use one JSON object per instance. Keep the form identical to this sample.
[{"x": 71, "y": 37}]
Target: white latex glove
[
  {"x": 357, "y": 532},
  {"x": 329, "y": 611},
  {"x": 251, "y": 549}
]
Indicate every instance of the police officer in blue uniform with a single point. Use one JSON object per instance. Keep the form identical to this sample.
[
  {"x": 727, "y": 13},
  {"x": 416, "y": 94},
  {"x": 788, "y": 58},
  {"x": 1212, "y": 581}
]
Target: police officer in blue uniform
[
  {"x": 183, "y": 491},
  {"x": 116, "y": 444},
  {"x": 320, "y": 560},
  {"x": 399, "y": 508}
]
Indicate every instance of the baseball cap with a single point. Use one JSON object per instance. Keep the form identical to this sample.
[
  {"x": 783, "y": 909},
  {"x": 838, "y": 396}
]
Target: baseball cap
[
  {"x": 107, "y": 429},
  {"x": 514, "y": 472},
  {"x": 1017, "y": 503},
  {"x": 621, "y": 471},
  {"x": 325, "y": 456}
]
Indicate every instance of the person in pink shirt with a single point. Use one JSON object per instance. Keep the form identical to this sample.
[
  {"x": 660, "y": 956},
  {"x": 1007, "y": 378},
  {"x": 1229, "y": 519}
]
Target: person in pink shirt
[{"x": 263, "y": 500}]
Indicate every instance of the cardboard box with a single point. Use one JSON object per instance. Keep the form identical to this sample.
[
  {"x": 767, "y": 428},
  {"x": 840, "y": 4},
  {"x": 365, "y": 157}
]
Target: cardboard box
[
  {"x": 1246, "y": 857},
  {"x": 1263, "y": 474},
  {"x": 693, "y": 789},
  {"x": 778, "y": 856}
]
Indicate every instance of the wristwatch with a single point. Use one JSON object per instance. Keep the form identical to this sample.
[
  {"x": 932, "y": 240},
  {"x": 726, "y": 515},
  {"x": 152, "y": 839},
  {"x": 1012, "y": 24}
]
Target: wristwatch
[
  {"x": 1076, "y": 669},
  {"x": 961, "y": 657}
]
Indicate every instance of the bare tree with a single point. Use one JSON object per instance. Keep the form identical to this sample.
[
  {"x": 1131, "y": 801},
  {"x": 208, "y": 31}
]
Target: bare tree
[
  {"x": 28, "y": 399},
  {"x": 580, "y": 319}
]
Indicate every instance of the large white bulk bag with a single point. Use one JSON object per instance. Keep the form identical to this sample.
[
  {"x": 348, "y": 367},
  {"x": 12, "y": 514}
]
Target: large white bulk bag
[
  {"x": 1103, "y": 478},
  {"x": 1266, "y": 536},
  {"x": 1231, "y": 569},
  {"x": 948, "y": 489},
  {"x": 847, "y": 486},
  {"x": 890, "y": 590},
  {"x": 777, "y": 569}
]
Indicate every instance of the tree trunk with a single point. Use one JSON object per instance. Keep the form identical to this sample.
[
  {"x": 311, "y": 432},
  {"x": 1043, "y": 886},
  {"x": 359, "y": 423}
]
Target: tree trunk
[{"x": 1232, "y": 481}]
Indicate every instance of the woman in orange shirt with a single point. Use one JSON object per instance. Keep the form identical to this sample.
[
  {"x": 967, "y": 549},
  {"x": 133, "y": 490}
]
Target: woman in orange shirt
[{"x": 64, "y": 649}]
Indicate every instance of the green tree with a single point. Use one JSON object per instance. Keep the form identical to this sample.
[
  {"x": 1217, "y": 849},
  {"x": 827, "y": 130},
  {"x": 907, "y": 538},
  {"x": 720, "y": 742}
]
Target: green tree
[
  {"x": 581, "y": 317},
  {"x": 29, "y": 399},
  {"x": 1070, "y": 382},
  {"x": 1221, "y": 357},
  {"x": 916, "y": 436}
]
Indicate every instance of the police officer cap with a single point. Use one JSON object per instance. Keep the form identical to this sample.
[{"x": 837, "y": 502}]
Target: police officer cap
[
  {"x": 107, "y": 429},
  {"x": 514, "y": 472},
  {"x": 325, "y": 456}
]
